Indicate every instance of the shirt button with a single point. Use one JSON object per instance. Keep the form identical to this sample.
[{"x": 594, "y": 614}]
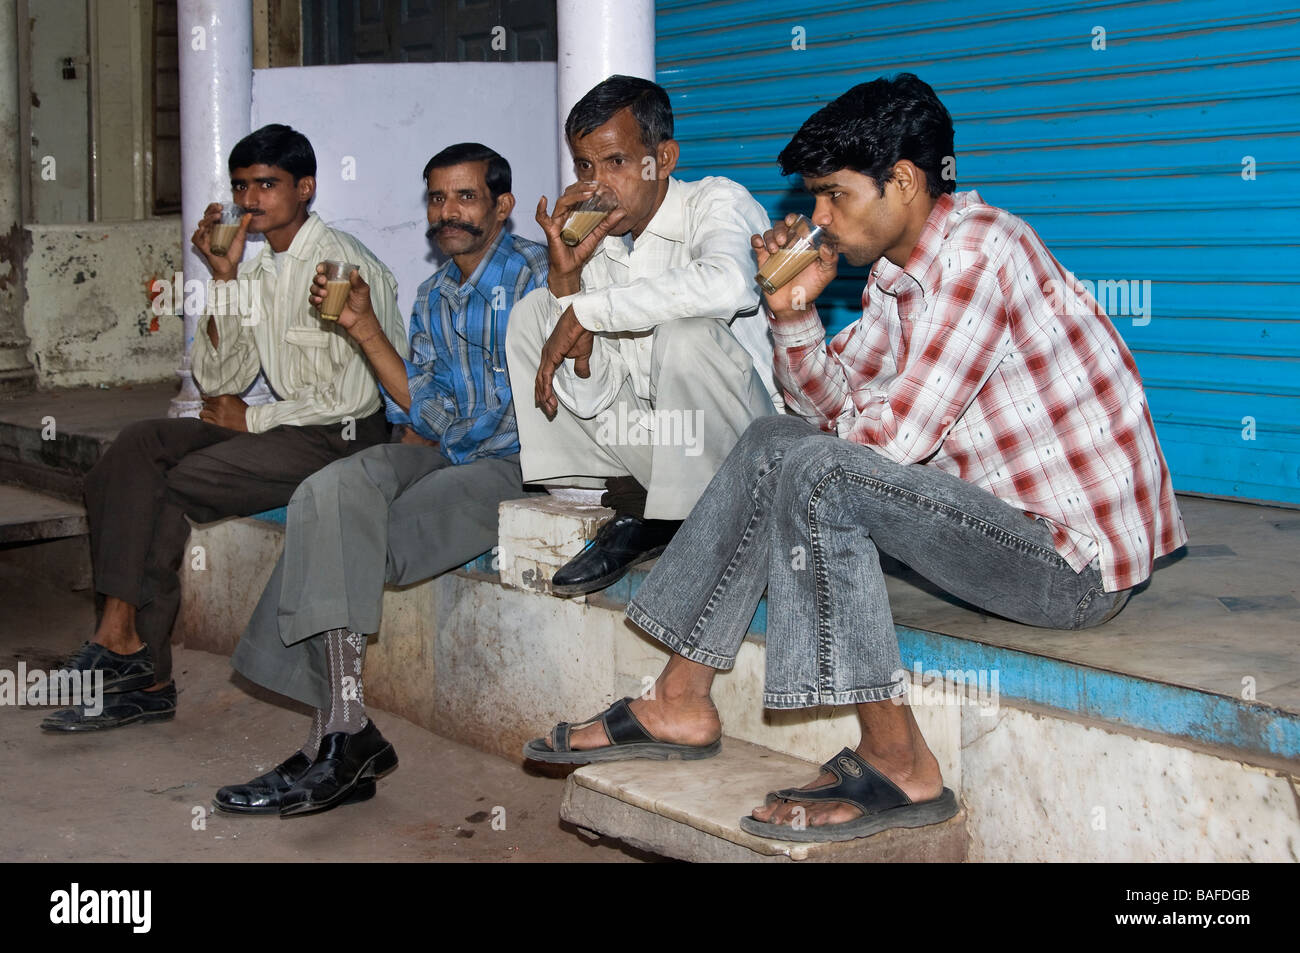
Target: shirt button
[{"x": 599, "y": 326}]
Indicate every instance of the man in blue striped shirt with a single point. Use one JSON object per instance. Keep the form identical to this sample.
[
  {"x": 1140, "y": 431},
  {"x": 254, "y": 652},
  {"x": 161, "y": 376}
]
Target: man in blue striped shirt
[{"x": 401, "y": 512}]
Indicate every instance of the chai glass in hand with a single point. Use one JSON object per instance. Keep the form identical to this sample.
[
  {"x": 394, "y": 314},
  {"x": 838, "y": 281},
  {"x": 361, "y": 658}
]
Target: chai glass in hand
[
  {"x": 587, "y": 214},
  {"x": 803, "y": 241},
  {"x": 223, "y": 232},
  {"x": 337, "y": 285}
]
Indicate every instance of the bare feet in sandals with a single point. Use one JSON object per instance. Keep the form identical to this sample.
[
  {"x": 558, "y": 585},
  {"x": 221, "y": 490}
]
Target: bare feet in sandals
[
  {"x": 919, "y": 781},
  {"x": 881, "y": 784},
  {"x": 679, "y": 721}
]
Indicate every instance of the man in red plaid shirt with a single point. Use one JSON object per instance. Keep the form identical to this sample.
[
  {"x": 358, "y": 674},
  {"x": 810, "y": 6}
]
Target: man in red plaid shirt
[{"x": 982, "y": 423}]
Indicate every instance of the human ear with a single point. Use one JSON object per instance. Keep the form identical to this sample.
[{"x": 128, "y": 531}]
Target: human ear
[
  {"x": 666, "y": 157},
  {"x": 505, "y": 205}
]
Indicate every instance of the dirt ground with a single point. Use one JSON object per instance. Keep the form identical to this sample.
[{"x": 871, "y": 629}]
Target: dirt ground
[{"x": 143, "y": 792}]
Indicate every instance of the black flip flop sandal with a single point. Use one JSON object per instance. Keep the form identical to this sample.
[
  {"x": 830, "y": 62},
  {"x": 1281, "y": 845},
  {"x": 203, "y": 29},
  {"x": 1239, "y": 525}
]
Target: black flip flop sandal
[
  {"x": 629, "y": 740},
  {"x": 882, "y": 804}
]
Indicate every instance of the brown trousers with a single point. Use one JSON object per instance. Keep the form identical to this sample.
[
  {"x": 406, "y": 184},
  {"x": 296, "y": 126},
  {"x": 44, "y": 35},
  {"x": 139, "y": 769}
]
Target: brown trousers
[{"x": 158, "y": 472}]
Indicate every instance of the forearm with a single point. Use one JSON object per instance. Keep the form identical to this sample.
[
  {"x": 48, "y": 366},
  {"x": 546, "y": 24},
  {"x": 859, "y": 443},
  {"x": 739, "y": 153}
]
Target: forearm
[
  {"x": 716, "y": 288},
  {"x": 310, "y": 410},
  {"x": 813, "y": 381},
  {"x": 388, "y": 365}
]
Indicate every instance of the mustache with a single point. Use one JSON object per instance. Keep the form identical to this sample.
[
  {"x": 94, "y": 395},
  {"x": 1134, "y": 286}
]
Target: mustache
[{"x": 437, "y": 227}]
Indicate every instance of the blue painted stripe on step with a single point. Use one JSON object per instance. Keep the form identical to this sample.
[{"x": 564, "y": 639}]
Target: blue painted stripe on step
[
  {"x": 1124, "y": 699},
  {"x": 483, "y": 565}
]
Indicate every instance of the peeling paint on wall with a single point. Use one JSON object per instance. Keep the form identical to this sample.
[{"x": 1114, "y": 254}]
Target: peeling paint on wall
[
  {"x": 13, "y": 249},
  {"x": 89, "y": 313}
]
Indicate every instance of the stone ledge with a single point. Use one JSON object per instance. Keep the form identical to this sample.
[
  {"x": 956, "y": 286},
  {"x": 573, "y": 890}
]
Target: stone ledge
[
  {"x": 28, "y": 516},
  {"x": 691, "y": 810},
  {"x": 538, "y": 535}
]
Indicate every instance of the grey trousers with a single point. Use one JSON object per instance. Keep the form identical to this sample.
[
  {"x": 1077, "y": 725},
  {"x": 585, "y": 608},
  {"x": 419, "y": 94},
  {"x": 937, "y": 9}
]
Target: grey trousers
[
  {"x": 395, "y": 514},
  {"x": 705, "y": 393}
]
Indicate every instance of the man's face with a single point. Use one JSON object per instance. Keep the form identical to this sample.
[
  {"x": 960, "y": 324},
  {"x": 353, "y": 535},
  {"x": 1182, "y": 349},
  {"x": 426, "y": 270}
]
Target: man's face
[
  {"x": 463, "y": 218},
  {"x": 615, "y": 156},
  {"x": 270, "y": 193},
  {"x": 863, "y": 223}
]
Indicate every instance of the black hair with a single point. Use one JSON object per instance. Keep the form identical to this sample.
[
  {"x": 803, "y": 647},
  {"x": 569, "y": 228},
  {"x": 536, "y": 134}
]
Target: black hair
[
  {"x": 276, "y": 145},
  {"x": 497, "y": 176},
  {"x": 873, "y": 126},
  {"x": 648, "y": 102}
]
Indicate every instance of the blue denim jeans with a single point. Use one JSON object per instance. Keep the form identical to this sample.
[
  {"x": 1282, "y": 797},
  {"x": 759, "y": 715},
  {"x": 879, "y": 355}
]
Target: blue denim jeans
[{"x": 805, "y": 515}]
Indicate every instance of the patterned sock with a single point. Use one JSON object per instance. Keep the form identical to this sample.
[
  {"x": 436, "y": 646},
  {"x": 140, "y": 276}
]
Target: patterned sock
[
  {"x": 346, "y": 652},
  {"x": 315, "y": 734}
]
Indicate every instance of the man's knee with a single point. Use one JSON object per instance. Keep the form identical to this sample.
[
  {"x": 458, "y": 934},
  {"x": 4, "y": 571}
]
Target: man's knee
[
  {"x": 703, "y": 350},
  {"x": 341, "y": 477},
  {"x": 141, "y": 432},
  {"x": 811, "y": 457},
  {"x": 148, "y": 436},
  {"x": 135, "y": 446},
  {"x": 776, "y": 432},
  {"x": 679, "y": 343},
  {"x": 768, "y": 440},
  {"x": 195, "y": 472}
]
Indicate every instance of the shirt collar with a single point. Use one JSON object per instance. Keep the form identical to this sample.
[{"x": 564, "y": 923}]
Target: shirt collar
[
  {"x": 303, "y": 247},
  {"x": 669, "y": 221},
  {"x": 924, "y": 266},
  {"x": 489, "y": 273}
]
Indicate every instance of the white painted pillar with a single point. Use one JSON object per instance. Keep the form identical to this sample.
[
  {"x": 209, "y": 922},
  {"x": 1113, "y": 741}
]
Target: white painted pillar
[
  {"x": 15, "y": 371},
  {"x": 215, "y": 40},
  {"x": 597, "y": 38}
]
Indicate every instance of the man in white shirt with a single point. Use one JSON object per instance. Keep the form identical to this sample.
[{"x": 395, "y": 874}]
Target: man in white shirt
[
  {"x": 235, "y": 459},
  {"x": 645, "y": 353}
]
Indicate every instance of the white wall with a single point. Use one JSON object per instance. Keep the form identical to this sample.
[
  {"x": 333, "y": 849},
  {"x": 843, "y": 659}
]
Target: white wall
[{"x": 398, "y": 116}]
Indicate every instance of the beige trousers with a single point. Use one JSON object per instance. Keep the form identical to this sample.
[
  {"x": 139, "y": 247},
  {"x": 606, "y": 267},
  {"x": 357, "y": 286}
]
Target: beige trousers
[{"x": 704, "y": 393}]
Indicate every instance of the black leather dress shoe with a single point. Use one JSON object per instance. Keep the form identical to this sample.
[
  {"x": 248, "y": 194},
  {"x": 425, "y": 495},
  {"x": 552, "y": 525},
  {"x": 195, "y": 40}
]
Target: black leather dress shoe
[
  {"x": 344, "y": 763},
  {"x": 262, "y": 794},
  {"x": 122, "y": 673},
  {"x": 115, "y": 710},
  {"x": 619, "y": 545}
]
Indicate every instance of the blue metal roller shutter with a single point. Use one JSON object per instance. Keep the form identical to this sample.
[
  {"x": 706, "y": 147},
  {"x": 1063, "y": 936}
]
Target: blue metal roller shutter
[{"x": 1133, "y": 162}]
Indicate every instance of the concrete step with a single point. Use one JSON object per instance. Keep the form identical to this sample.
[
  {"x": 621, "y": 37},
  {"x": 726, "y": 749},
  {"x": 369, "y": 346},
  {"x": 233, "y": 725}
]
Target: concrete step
[
  {"x": 691, "y": 810},
  {"x": 50, "y": 439},
  {"x": 1101, "y": 764},
  {"x": 27, "y": 516}
]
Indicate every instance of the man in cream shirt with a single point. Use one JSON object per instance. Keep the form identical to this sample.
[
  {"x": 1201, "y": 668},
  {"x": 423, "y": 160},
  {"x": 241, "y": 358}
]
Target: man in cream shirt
[
  {"x": 645, "y": 354},
  {"x": 235, "y": 459}
]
